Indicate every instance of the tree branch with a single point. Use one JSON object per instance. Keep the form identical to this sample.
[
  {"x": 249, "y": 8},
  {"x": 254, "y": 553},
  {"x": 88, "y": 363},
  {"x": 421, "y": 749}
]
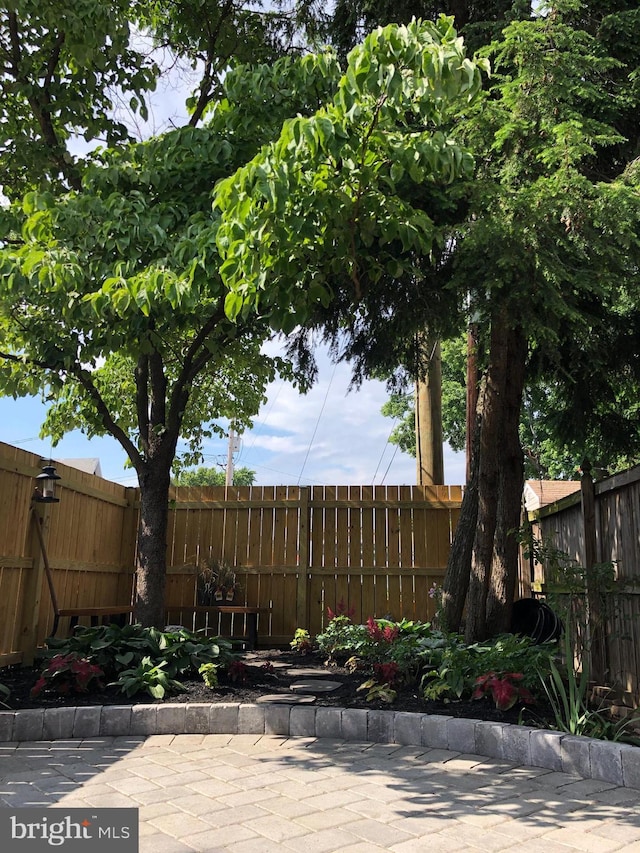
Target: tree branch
[
  {"x": 207, "y": 77},
  {"x": 39, "y": 100},
  {"x": 83, "y": 377},
  {"x": 193, "y": 363},
  {"x": 141, "y": 374}
]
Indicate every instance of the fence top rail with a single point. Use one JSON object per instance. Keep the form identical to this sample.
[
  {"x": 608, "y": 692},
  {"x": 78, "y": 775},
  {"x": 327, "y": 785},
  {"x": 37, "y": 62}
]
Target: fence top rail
[
  {"x": 74, "y": 480},
  {"x": 618, "y": 481},
  {"x": 602, "y": 487},
  {"x": 557, "y": 506},
  {"x": 331, "y": 503}
]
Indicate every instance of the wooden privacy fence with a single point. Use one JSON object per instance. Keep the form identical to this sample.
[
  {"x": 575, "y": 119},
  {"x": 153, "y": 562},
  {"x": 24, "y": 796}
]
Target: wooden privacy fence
[
  {"x": 598, "y": 526},
  {"x": 90, "y": 543},
  {"x": 375, "y": 550}
]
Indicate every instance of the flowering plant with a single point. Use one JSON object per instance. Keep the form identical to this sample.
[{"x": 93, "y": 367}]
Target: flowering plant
[{"x": 381, "y": 633}]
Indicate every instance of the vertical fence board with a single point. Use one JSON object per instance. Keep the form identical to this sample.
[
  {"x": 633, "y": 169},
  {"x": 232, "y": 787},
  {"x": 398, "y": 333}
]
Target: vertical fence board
[{"x": 617, "y": 512}]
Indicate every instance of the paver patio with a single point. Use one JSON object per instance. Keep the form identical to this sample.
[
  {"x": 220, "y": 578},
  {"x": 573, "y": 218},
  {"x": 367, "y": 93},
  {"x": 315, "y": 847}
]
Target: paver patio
[{"x": 263, "y": 793}]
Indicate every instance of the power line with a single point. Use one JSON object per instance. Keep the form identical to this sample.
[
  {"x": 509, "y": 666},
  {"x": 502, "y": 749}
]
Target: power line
[
  {"x": 324, "y": 403},
  {"x": 389, "y": 465}
]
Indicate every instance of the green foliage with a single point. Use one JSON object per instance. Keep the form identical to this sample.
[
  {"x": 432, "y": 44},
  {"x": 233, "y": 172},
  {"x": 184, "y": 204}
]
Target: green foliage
[
  {"x": 342, "y": 638},
  {"x": 69, "y": 673},
  {"x": 114, "y": 649},
  {"x": 453, "y": 667},
  {"x": 61, "y": 64},
  {"x": 341, "y": 179},
  {"x": 204, "y": 476},
  {"x": 110, "y": 647},
  {"x": 379, "y": 691},
  {"x": 209, "y": 673},
  {"x": 148, "y": 677},
  {"x": 381, "y": 645},
  {"x": 568, "y": 694},
  {"x": 347, "y": 21},
  {"x": 301, "y": 641}
]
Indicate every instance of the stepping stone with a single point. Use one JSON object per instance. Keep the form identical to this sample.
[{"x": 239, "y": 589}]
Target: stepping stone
[
  {"x": 315, "y": 686},
  {"x": 285, "y": 699},
  {"x": 308, "y": 672},
  {"x": 258, "y": 662}
]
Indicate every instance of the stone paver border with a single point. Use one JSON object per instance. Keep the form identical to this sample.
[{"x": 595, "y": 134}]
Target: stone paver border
[{"x": 606, "y": 761}]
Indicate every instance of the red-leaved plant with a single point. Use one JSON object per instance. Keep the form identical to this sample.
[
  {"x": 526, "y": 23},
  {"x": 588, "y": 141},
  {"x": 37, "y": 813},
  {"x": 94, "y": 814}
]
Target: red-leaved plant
[
  {"x": 381, "y": 635},
  {"x": 503, "y": 689},
  {"x": 341, "y": 610},
  {"x": 386, "y": 673},
  {"x": 68, "y": 674},
  {"x": 238, "y": 671}
]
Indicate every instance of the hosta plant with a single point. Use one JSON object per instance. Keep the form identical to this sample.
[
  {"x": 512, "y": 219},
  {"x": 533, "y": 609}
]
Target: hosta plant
[{"x": 150, "y": 677}]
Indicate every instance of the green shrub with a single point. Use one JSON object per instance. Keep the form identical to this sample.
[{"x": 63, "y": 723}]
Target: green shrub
[
  {"x": 301, "y": 642},
  {"x": 342, "y": 638},
  {"x": 150, "y": 677},
  {"x": 146, "y": 658},
  {"x": 452, "y": 667}
]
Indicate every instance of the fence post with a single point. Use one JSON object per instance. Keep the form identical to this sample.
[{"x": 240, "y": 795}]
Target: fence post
[
  {"x": 594, "y": 600},
  {"x": 128, "y": 544},
  {"x": 34, "y": 586},
  {"x": 302, "y": 602}
]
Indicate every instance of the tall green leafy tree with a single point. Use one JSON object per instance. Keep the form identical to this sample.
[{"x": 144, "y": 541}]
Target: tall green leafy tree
[
  {"x": 545, "y": 245},
  {"x": 347, "y": 22},
  {"x": 111, "y": 298},
  {"x": 554, "y": 439},
  {"x": 551, "y": 260},
  {"x": 110, "y": 304},
  {"x": 61, "y": 66}
]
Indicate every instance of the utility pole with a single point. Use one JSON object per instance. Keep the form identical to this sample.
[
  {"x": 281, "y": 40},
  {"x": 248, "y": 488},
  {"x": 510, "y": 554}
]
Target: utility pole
[
  {"x": 429, "y": 452},
  {"x": 230, "y": 451}
]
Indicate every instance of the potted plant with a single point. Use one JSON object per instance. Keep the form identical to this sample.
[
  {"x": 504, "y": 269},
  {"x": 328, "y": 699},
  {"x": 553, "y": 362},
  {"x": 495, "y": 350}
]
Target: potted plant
[{"x": 216, "y": 582}]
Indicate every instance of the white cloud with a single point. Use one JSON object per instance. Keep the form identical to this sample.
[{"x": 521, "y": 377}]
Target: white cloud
[{"x": 330, "y": 436}]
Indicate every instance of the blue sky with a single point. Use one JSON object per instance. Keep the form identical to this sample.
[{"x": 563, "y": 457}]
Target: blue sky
[{"x": 328, "y": 437}]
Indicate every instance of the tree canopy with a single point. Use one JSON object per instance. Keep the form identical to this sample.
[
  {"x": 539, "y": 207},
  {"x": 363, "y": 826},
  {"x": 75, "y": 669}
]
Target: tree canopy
[
  {"x": 206, "y": 476},
  {"x": 112, "y": 301},
  {"x": 539, "y": 244}
]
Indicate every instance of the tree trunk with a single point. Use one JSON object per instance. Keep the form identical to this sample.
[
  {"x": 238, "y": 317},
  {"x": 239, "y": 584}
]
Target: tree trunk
[
  {"x": 473, "y": 383},
  {"x": 504, "y": 570},
  {"x": 491, "y": 406},
  {"x": 429, "y": 452},
  {"x": 151, "y": 564},
  {"x": 456, "y": 580}
]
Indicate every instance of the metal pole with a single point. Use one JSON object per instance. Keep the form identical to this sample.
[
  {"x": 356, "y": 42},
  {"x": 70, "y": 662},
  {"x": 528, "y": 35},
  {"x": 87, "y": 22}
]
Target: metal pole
[{"x": 229, "y": 476}]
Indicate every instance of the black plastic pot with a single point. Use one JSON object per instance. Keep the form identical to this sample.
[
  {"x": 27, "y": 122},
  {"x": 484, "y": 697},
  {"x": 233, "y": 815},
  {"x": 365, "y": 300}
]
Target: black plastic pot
[{"x": 535, "y": 619}]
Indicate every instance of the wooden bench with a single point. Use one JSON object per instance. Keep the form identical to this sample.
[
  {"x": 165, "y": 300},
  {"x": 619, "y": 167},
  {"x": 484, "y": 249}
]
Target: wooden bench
[
  {"x": 106, "y": 615},
  {"x": 251, "y": 614}
]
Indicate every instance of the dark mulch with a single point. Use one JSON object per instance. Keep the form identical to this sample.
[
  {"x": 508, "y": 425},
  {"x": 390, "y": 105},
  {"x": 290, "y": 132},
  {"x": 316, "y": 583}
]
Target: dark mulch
[{"x": 262, "y": 679}]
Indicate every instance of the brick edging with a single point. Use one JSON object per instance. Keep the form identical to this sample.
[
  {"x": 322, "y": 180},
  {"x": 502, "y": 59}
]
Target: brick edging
[{"x": 591, "y": 759}]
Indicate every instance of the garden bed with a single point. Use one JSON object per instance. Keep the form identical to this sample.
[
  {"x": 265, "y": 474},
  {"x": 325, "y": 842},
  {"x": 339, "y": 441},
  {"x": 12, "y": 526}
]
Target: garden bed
[{"x": 267, "y": 672}]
